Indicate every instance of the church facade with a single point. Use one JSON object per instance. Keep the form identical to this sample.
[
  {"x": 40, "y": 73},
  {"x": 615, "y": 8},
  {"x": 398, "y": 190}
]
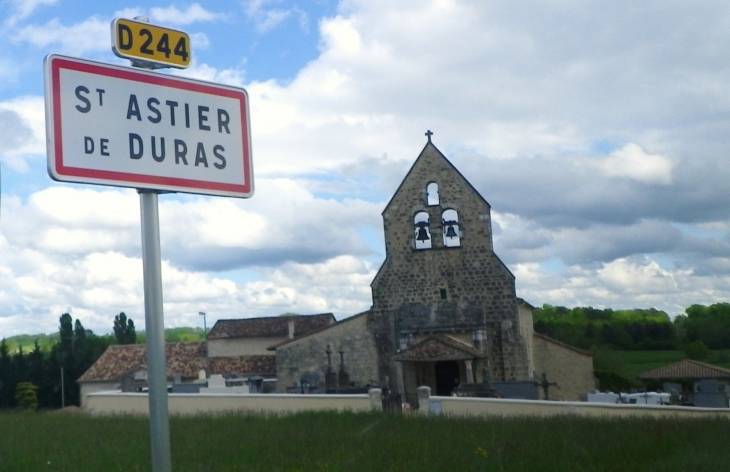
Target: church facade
[
  {"x": 444, "y": 305},
  {"x": 444, "y": 310}
]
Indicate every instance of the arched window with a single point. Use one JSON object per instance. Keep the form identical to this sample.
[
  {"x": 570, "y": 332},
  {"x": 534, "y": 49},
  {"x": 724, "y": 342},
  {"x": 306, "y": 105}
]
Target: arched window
[
  {"x": 432, "y": 194},
  {"x": 422, "y": 231},
  {"x": 450, "y": 228}
]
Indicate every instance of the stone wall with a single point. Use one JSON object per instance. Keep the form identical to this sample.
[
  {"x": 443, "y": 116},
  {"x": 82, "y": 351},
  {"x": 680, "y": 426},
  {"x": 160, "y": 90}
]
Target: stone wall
[
  {"x": 570, "y": 368},
  {"x": 307, "y": 355}
]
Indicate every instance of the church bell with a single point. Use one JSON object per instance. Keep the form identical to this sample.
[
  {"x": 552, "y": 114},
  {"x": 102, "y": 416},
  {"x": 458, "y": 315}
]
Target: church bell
[
  {"x": 422, "y": 234},
  {"x": 450, "y": 231}
]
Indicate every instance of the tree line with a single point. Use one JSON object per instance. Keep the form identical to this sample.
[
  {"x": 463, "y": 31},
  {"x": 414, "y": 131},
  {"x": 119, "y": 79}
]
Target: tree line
[
  {"x": 47, "y": 379},
  {"x": 603, "y": 331},
  {"x": 637, "y": 329}
]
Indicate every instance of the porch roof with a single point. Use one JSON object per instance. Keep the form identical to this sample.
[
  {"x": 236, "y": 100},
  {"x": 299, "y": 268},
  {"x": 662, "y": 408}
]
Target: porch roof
[
  {"x": 438, "y": 347},
  {"x": 687, "y": 369}
]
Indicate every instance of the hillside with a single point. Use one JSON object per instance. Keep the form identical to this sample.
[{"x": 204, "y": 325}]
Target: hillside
[{"x": 46, "y": 341}]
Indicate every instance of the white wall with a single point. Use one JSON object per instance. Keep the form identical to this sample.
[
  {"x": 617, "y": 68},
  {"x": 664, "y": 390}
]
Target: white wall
[
  {"x": 108, "y": 403},
  {"x": 91, "y": 387},
  {"x": 242, "y": 346},
  {"x": 483, "y": 407}
]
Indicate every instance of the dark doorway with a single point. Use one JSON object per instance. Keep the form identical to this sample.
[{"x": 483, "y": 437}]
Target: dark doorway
[{"x": 447, "y": 377}]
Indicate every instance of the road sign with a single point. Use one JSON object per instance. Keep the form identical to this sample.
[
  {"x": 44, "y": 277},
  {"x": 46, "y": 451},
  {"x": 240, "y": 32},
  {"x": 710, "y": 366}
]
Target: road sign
[
  {"x": 113, "y": 125},
  {"x": 141, "y": 41}
]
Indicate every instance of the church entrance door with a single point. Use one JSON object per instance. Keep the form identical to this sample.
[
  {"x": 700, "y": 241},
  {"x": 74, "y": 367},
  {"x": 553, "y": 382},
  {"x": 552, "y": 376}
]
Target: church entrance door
[{"x": 447, "y": 377}]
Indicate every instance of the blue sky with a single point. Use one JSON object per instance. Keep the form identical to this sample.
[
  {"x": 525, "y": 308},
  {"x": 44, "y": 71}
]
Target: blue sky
[{"x": 598, "y": 135}]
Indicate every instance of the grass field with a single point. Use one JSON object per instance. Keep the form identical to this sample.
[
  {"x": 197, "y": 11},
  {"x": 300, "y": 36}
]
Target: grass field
[{"x": 364, "y": 442}]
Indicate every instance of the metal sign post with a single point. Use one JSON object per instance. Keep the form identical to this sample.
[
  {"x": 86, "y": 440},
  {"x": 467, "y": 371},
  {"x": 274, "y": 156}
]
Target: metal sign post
[{"x": 155, "y": 326}]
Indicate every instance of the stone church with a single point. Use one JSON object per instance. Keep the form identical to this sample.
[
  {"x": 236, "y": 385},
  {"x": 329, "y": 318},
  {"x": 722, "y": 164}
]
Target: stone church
[{"x": 444, "y": 310}]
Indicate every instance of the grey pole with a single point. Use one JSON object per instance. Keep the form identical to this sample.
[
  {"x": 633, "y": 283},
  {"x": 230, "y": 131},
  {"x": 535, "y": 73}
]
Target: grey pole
[
  {"x": 155, "y": 327},
  {"x": 154, "y": 322},
  {"x": 207, "y": 357},
  {"x": 205, "y": 324}
]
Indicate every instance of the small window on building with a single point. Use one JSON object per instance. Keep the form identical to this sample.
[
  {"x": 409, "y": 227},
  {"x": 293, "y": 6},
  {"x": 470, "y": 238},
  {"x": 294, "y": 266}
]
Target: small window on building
[
  {"x": 443, "y": 293},
  {"x": 432, "y": 192},
  {"x": 450, "y": 228},
  {"x": 422, "y": 232}
]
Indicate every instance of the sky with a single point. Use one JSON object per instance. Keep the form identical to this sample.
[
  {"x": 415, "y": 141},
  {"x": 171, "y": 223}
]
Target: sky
[{"x": 598, "y": 132}]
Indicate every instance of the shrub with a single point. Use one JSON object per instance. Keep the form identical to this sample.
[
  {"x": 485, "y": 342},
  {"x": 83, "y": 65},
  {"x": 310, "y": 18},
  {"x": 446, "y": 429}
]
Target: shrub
[{"x": 26, "y": 394}]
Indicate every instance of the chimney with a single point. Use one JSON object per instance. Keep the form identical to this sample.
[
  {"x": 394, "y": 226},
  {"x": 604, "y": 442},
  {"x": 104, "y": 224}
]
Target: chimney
[{"x": 291, "y": 329}]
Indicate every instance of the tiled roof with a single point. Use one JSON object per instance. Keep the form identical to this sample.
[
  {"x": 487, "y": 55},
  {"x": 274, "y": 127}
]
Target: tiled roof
[
  {"x": 187, "y": 359},
  {"x": 276, "y": 326},
  {"x": 687, "y": 369},
  {"x": 244, "y": 365},
  {"x": 438, "y": 347},
  {"x": 118, "y": 360}
]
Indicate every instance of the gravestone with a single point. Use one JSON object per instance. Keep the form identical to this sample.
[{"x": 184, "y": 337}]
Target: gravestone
[
  {"x": 216, "y": 381},
  {"x": 128, "y": 383}
]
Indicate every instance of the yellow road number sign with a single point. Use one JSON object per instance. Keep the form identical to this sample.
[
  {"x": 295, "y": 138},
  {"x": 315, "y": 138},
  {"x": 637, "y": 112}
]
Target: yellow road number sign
[{"x": 140, "y": 41}]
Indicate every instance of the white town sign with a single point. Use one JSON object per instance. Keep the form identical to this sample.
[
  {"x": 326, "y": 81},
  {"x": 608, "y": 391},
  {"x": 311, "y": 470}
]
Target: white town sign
[{"x": 118, "y": 126}]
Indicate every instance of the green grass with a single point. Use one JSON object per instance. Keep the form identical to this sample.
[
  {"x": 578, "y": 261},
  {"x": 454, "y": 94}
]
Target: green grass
[{"x": 364, "y": 442}]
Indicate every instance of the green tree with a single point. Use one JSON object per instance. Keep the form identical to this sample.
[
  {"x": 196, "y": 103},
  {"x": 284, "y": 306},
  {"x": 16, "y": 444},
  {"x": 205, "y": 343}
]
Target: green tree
[
  {"x": 697, "y": 350},
  {"x": 6, "y": 395},
  {"x": 709, "y": 324},
  {"x": 124, "y": 329},
  {"x": 20, "y": 365},
  {"x": 37, "y": 375},
  {"x": 64, "y": 354},
  {"x": 26, "y": 396}
]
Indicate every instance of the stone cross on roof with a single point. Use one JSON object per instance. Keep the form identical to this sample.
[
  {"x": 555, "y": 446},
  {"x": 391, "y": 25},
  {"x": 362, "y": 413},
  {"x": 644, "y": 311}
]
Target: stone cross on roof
[{"x": 429, "y": 134}]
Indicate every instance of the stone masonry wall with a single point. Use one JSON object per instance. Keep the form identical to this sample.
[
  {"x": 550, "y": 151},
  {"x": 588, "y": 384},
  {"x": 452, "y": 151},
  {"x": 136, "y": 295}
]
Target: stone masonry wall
[{"x": 307, "y": 355}]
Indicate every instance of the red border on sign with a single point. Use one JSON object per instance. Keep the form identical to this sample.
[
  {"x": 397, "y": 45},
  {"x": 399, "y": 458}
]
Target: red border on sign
[{"x": 131, "y": 179}]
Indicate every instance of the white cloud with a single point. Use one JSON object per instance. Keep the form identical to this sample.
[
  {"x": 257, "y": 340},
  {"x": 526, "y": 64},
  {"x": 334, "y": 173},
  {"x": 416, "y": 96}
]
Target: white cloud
[
  {"x": 173, "y": 15},
  {"x": 632, "y": 162},
  {"x": 642, "y": 278},
  {"x": 78, "y": 249},
  {"x": 340, "y": 37},
  {"x": 267, "y": 19},
  {"x": 23, "y": 120},
  {"x": 211, "y": 74},
  {"x": 339, "y": 285},
  {"x": 199, "y": 41},
  {"x": 25, "y": 8},
  {"x": 75, "y": 40}
]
